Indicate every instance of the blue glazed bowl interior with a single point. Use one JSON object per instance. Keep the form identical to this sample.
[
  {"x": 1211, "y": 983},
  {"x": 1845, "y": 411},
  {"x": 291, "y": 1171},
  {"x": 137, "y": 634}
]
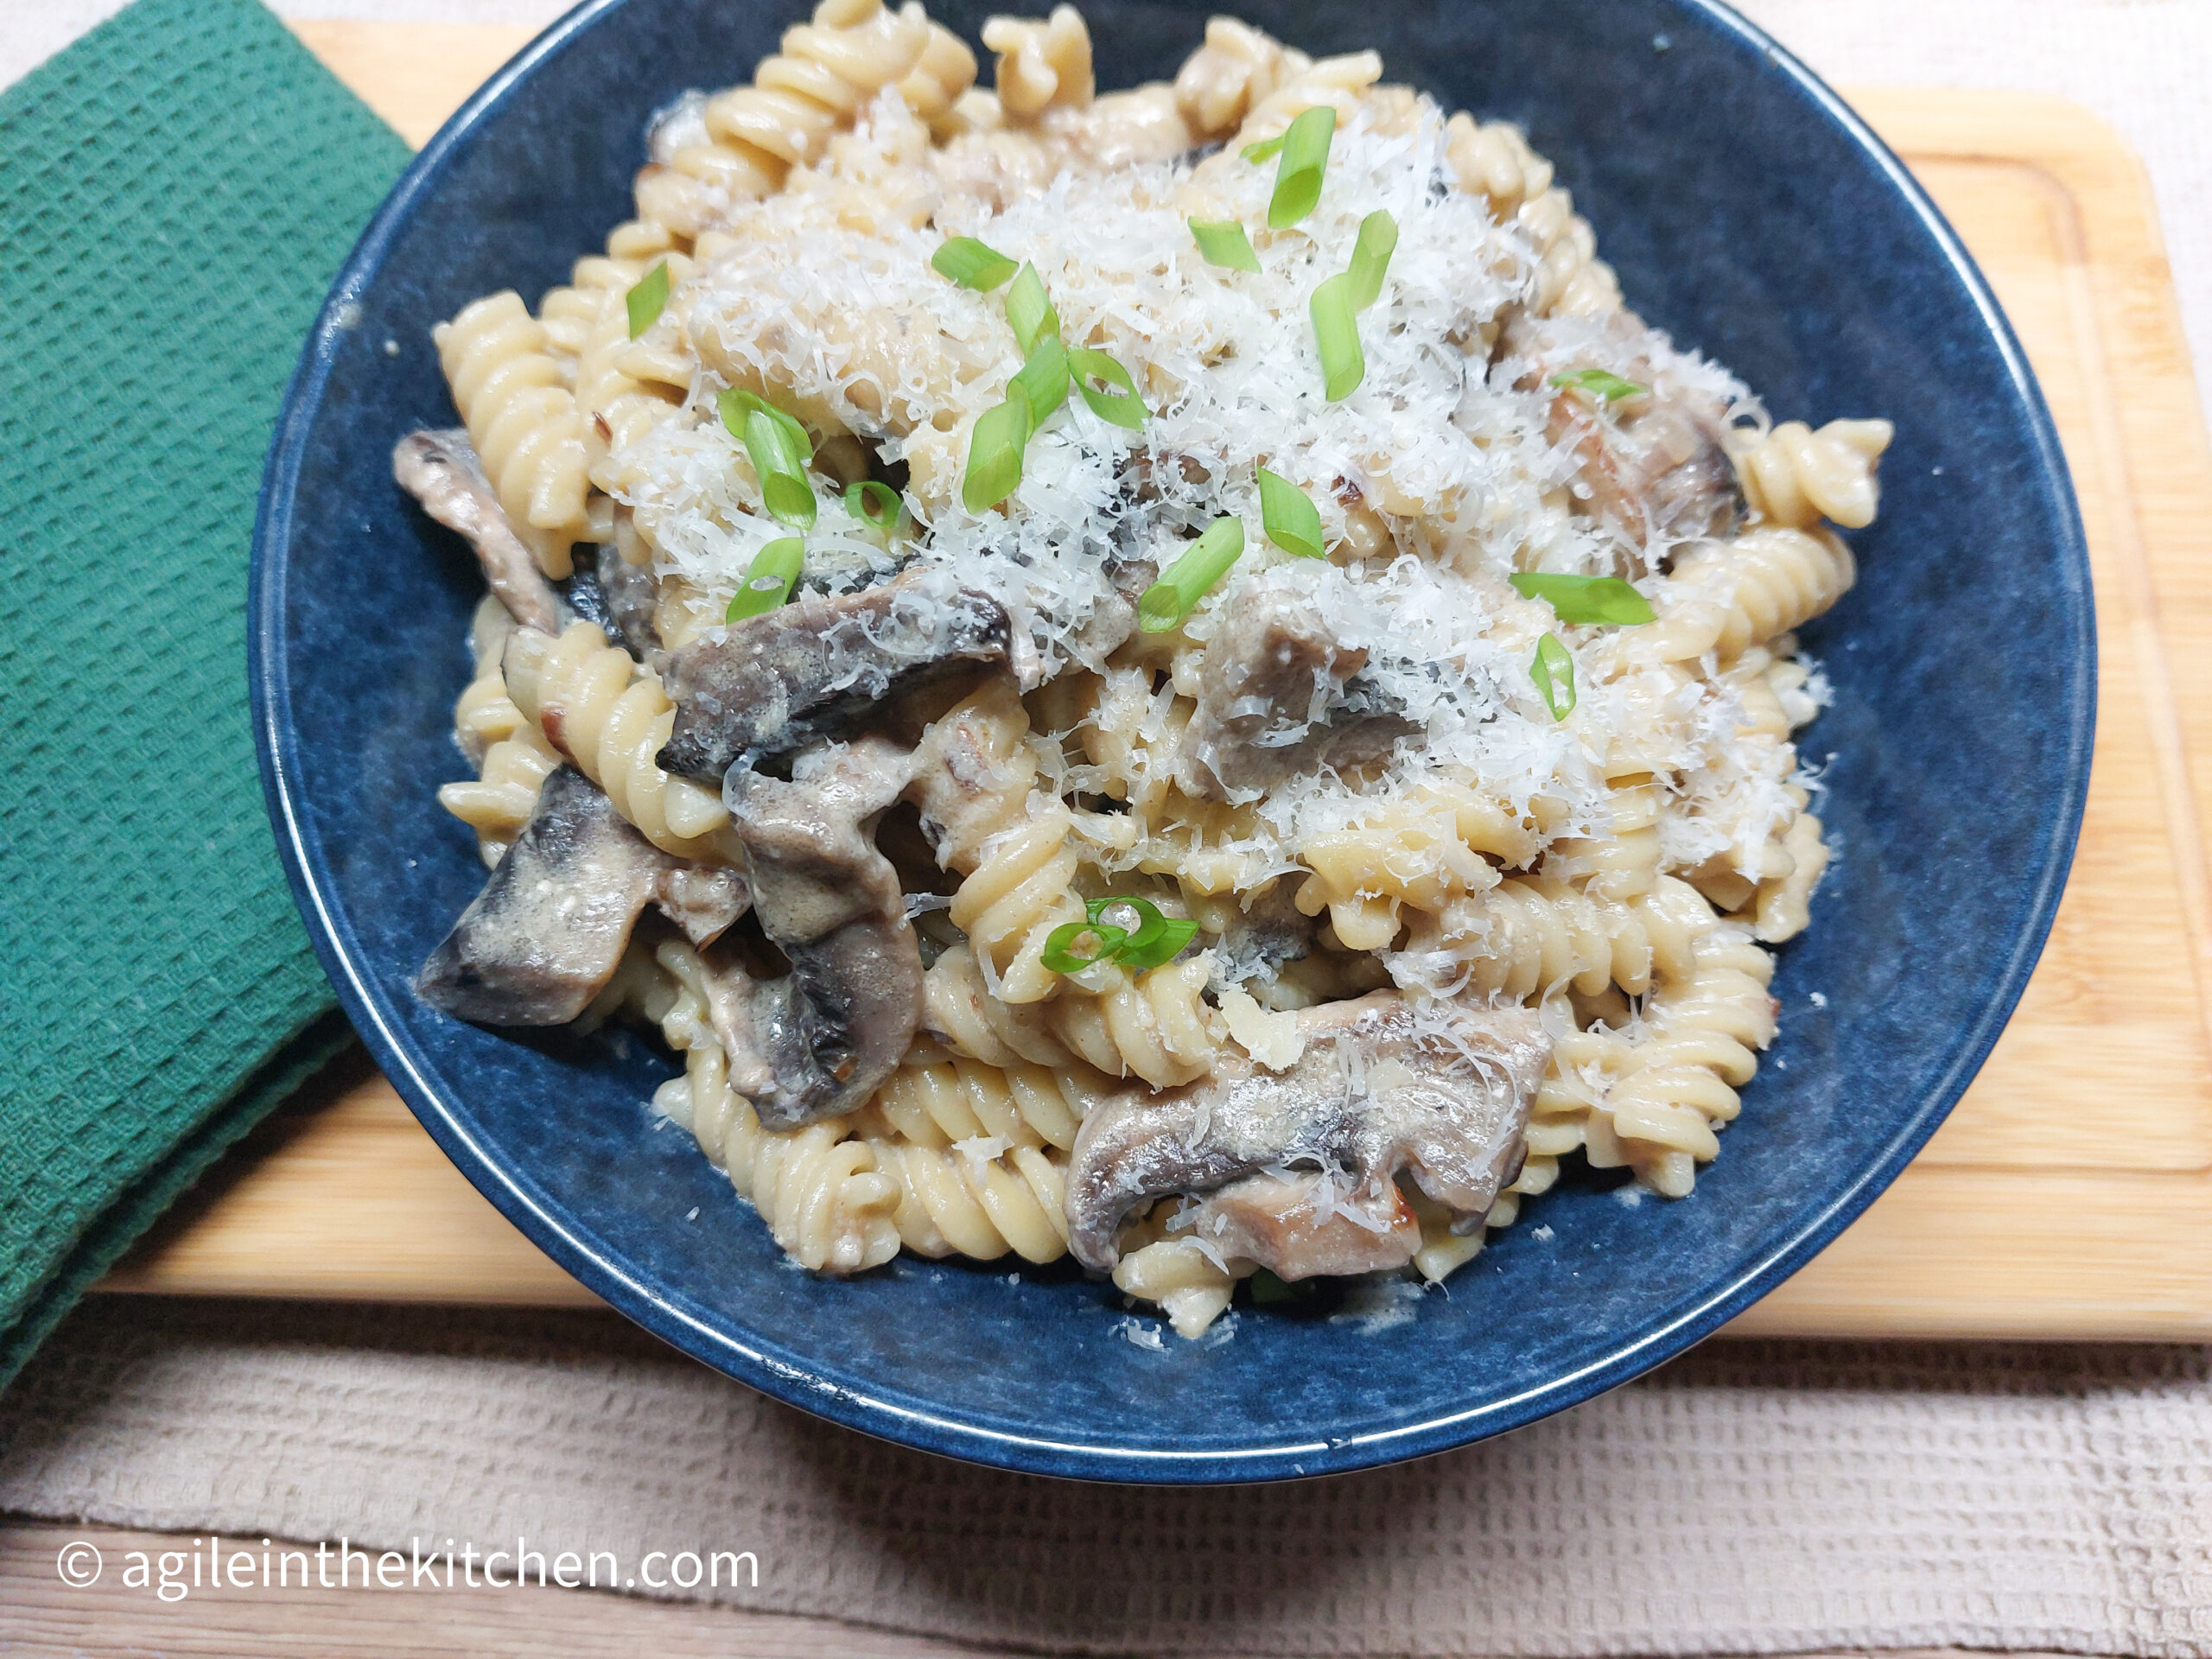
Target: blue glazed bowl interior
[{"x": 1748, "y": 215}]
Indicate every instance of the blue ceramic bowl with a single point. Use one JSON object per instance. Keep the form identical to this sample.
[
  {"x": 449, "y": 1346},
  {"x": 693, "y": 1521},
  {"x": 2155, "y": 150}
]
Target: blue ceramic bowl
[{"x": 1748, "y": 212}]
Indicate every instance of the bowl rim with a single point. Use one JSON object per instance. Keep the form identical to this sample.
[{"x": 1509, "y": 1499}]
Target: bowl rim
[{"x": 786, "y": 1377}]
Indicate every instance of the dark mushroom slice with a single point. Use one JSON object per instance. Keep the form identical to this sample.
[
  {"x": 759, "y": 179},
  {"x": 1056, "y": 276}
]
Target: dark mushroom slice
[
  {"x": 586, "y": 601},
  {"x": 1278, "y": 695},
  {"x": 818, "y": 1042},
  {"x": 626, "y": 599},
  {"x": 440, "y": 470},
  {"x": 1261, "y": 932},
  {"x": 1439, "y": 1090},
  {"x": 548, "y": 929},
  {"x": 823, "y": 667}
]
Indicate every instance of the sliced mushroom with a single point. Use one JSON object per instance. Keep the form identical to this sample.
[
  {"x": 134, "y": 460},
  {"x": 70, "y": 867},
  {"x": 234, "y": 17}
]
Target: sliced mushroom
[
  {"x": 1114, "y": 619},
  {"x": 1278, "y": 695},
  {"x": 818, "y": 1042},
  {"x": 548, "y": 929},
  {"x": 1262, "y": 932},
  {"x": 705, "y": 900},
  {"x": 1657, "y": 475},
  {"x": 1651, "y": 466},
  {"x": 823, "y": 667},
  {"x": 1305, "y": 1224},
  {"x": 621, "y": 597},
  {"x": 1438, "y": 1089},
  {"x": 440, "y": 470}
]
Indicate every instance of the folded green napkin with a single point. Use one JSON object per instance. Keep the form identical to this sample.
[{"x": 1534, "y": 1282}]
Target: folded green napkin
[{"x": 176, "y": 191}]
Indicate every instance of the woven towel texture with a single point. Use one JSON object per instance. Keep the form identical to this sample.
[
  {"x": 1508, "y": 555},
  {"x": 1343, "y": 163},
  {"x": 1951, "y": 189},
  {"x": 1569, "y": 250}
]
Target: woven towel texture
[
  {"x": 1753, "y": 1497},
  {"x": 176, "y": 191}
]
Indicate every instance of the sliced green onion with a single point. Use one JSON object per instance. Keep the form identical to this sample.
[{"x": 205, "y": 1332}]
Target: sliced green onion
[
  {"x": 1289, "y": 516},
  {"x": 782, "y": 471},
  {"x": 1602, "y": 384},
  {"x": 1371, "y": 258},
  {"x": 1060, "y": 955},
  {"x": 1029, "y": 310},
  {"x": 768, "y": 579},
  {"x": 1554, "y": 673},
  {"x": 994, "y": 452},
  {"x": 646, "y": 298},
  {"x": 1175, "y": 932},
  {"x": 1298, "y": 175},
  {"x": 1265, "y": 149},
  {"x": 1191, "y": 577},
  {"x": 1584, "y": 598},
  {"x": 971, "y": 264},
  {"x": 1335, "y": 332},
  {"x": 1223, "y": 242},
  {"x": 1124, "y": 408},
  {"x": 1156, "y": 938},
  {"x": 875, "y": 503},
  {"x": 735, "y": 405},
  {"x": 1043, "y": 380},
  {"x": 1151, "y": 927}
]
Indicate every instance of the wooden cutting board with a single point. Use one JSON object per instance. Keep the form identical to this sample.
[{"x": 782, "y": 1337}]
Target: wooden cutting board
[{"x": 2069, "y": 1195}]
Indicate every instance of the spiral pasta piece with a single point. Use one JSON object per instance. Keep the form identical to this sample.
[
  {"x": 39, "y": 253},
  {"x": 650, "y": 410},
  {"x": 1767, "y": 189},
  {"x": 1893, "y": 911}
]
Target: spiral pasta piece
[
  {"x": 1154, "y": 1025},
  {"x": 1237, "y": 68},
  {"x": 1493, "y": 161},
  {"x": 1797, "y": 476},
  {"x": 959, "y": 1008},
  {"x": 1675, "y": 1083},
  {"x": 817, "y": 1189},
  {"x": 978, "y": 1156},
  {"x": 594, "y": 704},
  {"x": 1128, "y": 731},
  {"x": 1190, "y": 1286},
  {"x": 1535, "y": 936},
  {"x": 1782, "y": 909},
  {"x": 523, "y": 419},
  {"x": 511, "y": 757},
  {"x": 1023, "y": 888},
  {"x": 826, "y": 74},
  {"x": 1346, "y": 84},
  {"x": 1411, "y": 854},
  {"x": 1625, "y": 864},
  {"x": 1445, "y": 1245},
  {"x": 942, "y": 1104},
  {"x": 1726, "y": 597},
  {"x": 1570, "y": 279},
  {"x": 1043, "y": 64},
  {"x": 944, "y": 71},
  {"x": 625, "y": 387}
]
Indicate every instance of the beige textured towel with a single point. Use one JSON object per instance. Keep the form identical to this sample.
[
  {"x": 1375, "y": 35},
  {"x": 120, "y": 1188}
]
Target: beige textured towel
[{"x": 1753, "y": 1497}]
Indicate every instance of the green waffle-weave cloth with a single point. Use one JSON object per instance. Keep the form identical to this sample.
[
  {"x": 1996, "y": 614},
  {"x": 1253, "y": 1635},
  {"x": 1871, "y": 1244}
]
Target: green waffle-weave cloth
[{"x": 177, "y": 190}]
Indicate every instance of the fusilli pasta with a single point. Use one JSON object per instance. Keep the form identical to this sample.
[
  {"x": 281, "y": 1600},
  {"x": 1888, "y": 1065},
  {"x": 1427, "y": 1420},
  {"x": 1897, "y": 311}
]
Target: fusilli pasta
[
  {"x": 524, "y": 420},
  {"x": 591, "y": 702}
]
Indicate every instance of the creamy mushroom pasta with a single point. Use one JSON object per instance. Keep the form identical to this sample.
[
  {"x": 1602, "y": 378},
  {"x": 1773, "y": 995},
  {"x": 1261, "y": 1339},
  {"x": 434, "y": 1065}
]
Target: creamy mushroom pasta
[{"x": 1166, "y": 677}]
